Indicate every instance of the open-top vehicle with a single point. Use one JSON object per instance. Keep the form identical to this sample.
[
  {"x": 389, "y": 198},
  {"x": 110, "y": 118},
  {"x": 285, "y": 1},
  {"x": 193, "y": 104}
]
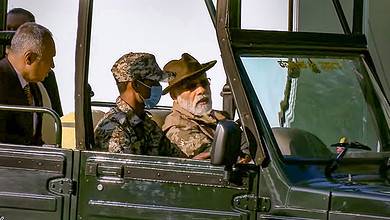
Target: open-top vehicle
[{"x": 310, "y": 106}]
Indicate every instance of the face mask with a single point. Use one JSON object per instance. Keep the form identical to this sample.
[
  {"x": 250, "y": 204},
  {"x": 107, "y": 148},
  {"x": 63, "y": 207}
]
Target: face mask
[
  {"x": 154, "y": 98},
  {"x": 155, "y": 95}
]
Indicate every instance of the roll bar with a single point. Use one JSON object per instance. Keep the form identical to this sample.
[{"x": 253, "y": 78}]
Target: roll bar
[{"x": 52, "y": 113}]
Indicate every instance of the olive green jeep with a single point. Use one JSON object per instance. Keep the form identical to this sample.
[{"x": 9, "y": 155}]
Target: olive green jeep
[{"x": 311, "y": 108}]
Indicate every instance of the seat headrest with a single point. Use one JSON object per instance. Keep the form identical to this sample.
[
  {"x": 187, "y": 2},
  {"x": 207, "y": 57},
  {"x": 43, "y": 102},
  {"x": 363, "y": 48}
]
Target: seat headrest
[
  {"x": 159, "y": 115},
  {"x": 300, "y": 143}
]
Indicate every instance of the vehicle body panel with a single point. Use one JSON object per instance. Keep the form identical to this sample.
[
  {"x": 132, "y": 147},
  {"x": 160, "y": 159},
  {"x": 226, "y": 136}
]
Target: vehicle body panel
[
  {"x": 155, "y": 188},
  {"x": 30, "y": 184}
]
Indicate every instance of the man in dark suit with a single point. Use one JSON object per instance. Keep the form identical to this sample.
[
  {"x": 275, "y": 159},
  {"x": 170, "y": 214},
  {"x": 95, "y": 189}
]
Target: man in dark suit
[
  {"x": 29, "y": 60},
  {"x": 17, "y": 17}
]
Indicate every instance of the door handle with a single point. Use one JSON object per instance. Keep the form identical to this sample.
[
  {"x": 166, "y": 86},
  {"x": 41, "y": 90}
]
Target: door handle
[
  {"x": 110, "y": 170},
  {"x": 99, "y": 170}
]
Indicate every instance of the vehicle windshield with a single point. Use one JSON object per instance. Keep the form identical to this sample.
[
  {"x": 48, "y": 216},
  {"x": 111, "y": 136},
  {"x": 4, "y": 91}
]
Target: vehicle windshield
[{"x": 330, "y": 97}]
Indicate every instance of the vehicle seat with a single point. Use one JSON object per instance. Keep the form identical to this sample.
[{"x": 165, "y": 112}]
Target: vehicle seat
[
  {"x": 68, "y": 127},
  {"x": 159, "y": 115},
  {"x": 68, "y": 124},
  {"x": 300, "y": 143},
  {"x": 48, "y": 123}
]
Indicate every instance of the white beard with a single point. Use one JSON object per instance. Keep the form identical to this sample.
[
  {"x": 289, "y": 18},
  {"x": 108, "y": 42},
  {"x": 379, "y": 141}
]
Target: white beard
[{"x": 195, "y": 107}]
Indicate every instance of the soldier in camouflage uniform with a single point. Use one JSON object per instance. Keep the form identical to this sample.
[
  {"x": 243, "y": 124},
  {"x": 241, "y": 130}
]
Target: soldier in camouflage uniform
[
  {"x": 192, "y": 123},
  {"x": 127, "y": 128}
]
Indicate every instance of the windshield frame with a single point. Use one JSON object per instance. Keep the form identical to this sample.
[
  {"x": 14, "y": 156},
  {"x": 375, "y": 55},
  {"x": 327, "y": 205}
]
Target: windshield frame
[
  {"x": 383, "y": 131},
  {"x": 234, "y": 41}
]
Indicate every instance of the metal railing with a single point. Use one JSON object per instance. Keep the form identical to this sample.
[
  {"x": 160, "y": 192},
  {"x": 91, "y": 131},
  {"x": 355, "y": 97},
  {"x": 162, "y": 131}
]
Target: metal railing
[
  {"x": 52, "y": 113},
  {"x": 112, "y": 104}
]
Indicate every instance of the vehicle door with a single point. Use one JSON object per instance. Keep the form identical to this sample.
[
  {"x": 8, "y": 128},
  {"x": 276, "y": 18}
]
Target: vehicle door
[
  {"x": 35, "y": 181},
  {"x": 123, "y": 186}
]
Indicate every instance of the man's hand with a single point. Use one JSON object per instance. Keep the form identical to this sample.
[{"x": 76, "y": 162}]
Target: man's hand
[
  {"x": 244, "y": 159},
  {"x": 202, "y": 156}
]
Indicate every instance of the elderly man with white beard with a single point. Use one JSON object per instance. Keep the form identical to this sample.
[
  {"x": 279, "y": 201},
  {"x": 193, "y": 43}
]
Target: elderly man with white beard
[{"x": 192, "y": 123}]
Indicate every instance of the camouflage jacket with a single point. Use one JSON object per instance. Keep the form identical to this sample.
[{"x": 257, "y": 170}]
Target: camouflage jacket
[
  {"x": 192, "y": 134},
  {"x": 122, "y": 131}
]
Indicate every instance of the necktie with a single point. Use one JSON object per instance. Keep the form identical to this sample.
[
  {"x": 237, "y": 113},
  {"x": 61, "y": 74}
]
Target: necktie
[{"x": 27, "y": 92}]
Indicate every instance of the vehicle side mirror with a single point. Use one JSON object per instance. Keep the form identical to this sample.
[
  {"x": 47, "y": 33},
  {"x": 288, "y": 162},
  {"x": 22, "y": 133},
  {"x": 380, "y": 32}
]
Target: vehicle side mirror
[{"x": 225, "y": 148}]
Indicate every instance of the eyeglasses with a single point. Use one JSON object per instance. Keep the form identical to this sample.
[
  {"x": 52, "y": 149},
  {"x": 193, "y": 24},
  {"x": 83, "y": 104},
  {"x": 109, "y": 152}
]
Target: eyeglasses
[{"x": 192, "y": 85}]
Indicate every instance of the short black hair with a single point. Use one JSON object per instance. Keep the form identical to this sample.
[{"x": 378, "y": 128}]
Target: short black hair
[{"x": 24, "y": 12}]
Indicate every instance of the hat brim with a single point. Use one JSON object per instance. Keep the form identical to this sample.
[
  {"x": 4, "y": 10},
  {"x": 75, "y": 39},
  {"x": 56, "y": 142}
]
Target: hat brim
[{"x": 205, "y": 67}]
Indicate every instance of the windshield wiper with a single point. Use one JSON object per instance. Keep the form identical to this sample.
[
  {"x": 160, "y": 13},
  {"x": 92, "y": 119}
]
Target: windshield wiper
[{"x": 330, "y": 168}]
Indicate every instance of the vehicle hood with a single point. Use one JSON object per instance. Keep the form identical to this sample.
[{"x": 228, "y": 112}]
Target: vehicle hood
[{"x": 364, "y": 196}]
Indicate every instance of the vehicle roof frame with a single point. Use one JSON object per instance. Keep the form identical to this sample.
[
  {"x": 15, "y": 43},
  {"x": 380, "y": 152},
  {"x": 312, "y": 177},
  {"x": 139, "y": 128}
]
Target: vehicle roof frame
[
  {"x": 82, "y": 100},
  {"x": 3, "y": 17},
  {"x": 228, "y": 14},
  {"x": 234, "y": 40},
  {"x": 228, "y": 26}
]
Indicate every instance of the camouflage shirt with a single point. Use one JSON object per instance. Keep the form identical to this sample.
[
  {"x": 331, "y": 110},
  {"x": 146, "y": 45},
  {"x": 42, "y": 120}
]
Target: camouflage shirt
[
  {"x": 122, "y": 131},
  {"x": 193, "y": 134}
]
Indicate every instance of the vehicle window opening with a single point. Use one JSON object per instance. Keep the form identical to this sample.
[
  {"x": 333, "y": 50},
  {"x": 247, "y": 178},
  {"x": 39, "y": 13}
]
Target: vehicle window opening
[{"x": 303, "y": 87}]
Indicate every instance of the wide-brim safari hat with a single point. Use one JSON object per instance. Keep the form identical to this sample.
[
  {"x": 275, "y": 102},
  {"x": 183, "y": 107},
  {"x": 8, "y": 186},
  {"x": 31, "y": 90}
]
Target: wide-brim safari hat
[{"x": 184, "y": 68}]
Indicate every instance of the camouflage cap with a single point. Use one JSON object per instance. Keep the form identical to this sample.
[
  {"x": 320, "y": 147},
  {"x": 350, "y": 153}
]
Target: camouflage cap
[{"x": 137, "y": 66}]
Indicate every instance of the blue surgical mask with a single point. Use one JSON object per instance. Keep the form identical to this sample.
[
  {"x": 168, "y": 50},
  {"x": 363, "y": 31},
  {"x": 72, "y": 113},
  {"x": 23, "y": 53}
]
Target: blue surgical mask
[
  {"x": 154, "y": 98},
  {"x": 155, "y": 95}
]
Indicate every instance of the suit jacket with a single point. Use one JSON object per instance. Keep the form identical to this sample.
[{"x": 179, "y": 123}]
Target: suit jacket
[
  {"x": 17, "y": 127},
  {"x": 51, "y": 87}
]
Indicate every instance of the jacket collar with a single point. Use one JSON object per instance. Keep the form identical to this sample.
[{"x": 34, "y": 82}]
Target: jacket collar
[{"x": 126, "y": 108}]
